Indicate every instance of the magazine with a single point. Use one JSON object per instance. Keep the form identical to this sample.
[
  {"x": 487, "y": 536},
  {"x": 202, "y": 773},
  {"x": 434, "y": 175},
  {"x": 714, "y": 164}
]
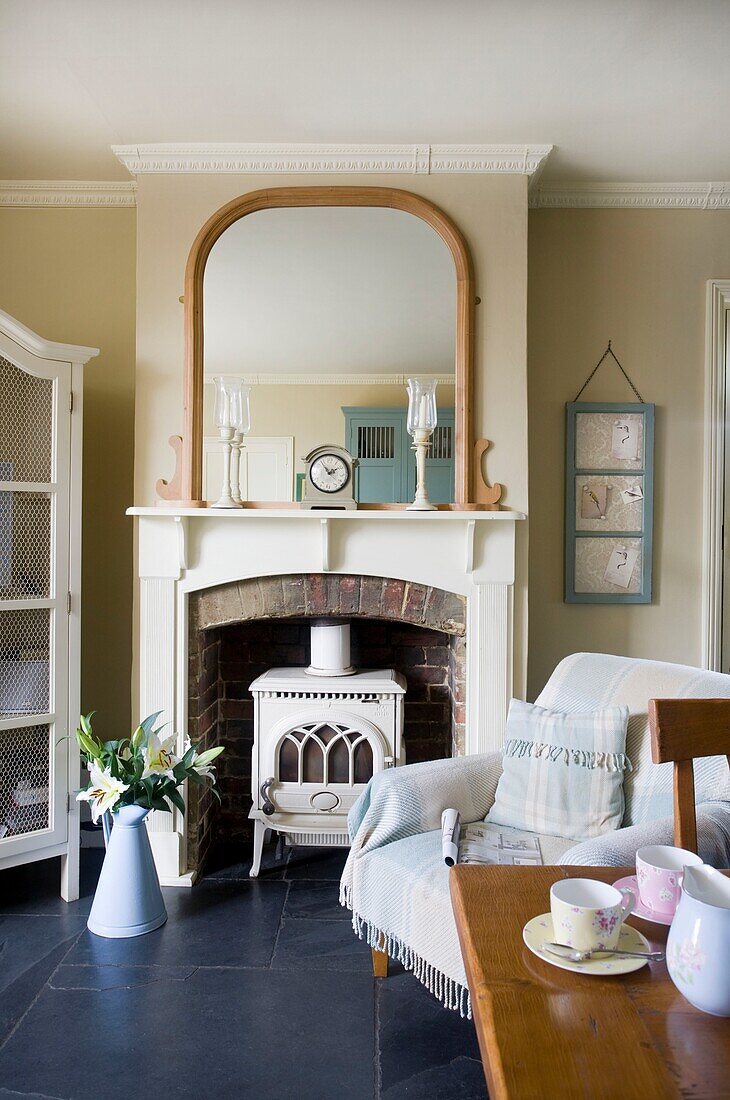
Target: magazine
[{"x": 481, "y": 842}]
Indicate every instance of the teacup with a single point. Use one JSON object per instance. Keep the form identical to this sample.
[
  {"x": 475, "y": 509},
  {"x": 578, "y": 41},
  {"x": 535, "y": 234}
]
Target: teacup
[
  {"x": 587, "y": 914},
  {"x": 659, "y": 870}
]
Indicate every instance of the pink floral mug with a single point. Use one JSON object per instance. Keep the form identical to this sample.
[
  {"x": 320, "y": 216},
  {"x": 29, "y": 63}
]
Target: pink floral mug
[
  {"x": 659, "y": 873},
  {"x": 588, "y": 914}
]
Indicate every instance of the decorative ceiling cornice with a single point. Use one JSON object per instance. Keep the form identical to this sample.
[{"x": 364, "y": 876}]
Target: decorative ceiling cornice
[
  {"x": 287, "y": 158},
  {"x": 632, "y": 196},
  {"x": 66, "y": 193}
]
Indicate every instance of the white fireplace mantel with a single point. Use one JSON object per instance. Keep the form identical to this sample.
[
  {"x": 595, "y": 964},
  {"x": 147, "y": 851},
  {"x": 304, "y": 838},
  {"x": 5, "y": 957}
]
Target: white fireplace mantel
[{"x": 184, "y": 550}]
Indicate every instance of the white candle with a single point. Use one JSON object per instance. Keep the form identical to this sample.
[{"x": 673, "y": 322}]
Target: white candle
[{"x": 423, "y": 412}]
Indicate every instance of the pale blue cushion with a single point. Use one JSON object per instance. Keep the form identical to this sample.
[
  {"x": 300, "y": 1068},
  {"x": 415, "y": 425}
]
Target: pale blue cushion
[{"x": 562, "y": 773}]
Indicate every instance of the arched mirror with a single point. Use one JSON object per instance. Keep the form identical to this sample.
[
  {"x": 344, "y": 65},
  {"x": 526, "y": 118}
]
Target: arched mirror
[{"x": 321, "y": 302}]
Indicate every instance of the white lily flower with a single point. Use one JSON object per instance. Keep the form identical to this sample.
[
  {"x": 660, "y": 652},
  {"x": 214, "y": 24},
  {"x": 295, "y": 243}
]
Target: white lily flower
[
  {"x": 207, "y": 771},
  {"x": 158, "y": 756},
  {"x": 203, "y": 762},
  {"x": 104, "y": 792}
]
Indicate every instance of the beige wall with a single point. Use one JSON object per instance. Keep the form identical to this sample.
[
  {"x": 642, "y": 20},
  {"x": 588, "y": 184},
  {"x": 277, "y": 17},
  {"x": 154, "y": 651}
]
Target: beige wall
[
  {"x": 639, "y": 279},
  {"x": 491, "y": 211},
  {"x": 69, "y": 275}
]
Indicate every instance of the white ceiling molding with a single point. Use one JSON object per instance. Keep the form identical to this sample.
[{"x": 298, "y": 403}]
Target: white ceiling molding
[
  {"x": 304, "y": 379},
  {"x": 408, "y": 159},
  {"x": 66, "y": 193},
  {"x": 632, "y": 196}
]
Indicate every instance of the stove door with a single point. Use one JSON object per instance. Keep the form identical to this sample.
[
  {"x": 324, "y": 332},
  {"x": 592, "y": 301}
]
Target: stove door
[{"x": 321, "y": 760}]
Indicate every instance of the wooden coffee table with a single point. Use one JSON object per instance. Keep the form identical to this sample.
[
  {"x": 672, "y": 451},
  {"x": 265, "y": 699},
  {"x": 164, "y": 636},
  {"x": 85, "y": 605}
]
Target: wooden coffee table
[{"x": 546, "y": 1033}]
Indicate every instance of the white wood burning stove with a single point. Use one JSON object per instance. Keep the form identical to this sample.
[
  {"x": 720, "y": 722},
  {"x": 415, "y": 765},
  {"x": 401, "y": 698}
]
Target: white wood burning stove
[{"x": 320, "y": 734}]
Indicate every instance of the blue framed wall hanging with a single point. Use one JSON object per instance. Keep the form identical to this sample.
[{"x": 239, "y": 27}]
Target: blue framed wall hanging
[{"x": 609, "y": 501}]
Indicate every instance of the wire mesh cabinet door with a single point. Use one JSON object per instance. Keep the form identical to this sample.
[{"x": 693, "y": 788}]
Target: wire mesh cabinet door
[{"x": 35, "y": 608}]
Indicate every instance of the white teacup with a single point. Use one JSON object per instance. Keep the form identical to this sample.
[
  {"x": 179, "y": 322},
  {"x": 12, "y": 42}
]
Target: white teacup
[
  {"x": 659, "y": 872},
  {"x": 587, "y": 914}
]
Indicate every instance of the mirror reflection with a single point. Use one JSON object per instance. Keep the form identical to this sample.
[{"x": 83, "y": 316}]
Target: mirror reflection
[{"x": 324, "y": 312}]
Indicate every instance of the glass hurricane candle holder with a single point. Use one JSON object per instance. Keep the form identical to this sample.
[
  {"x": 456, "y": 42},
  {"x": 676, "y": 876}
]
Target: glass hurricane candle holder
[
  {"x": 422, "y": 419},
  {"x": 229, "y": 418}
]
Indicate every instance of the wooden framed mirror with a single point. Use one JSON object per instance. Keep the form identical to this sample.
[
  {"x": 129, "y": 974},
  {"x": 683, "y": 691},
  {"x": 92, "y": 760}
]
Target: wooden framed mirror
[{"x": 187, "y": 487}]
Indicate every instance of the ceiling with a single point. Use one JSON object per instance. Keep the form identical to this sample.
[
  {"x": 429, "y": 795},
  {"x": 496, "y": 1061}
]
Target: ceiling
[{"x": 626, "y": 90}]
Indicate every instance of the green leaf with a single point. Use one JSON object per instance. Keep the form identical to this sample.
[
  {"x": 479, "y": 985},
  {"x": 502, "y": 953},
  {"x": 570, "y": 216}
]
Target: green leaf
[
  {"x": 188, "y": 757},
  {"x": 147, "y": 723},
  {"x": 177, "y": 799}
]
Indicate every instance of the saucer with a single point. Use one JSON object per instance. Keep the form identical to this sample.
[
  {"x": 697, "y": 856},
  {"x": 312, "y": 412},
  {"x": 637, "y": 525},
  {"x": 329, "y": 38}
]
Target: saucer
[
  {"x": 539, "y": 930},
  {"x": 631, "y": 883}
]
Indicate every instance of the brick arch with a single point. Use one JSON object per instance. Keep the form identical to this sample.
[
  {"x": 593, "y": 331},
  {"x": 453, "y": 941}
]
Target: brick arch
[{"x": 310, "y": 595}]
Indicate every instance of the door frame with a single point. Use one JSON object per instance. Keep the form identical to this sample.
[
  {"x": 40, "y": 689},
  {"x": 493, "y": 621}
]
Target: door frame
[{"x": 717, "y": 388}]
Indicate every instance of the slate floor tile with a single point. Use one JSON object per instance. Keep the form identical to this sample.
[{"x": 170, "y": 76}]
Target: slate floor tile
[
  {"x": 34, "y": 887},
  {"x": 316, "y": 863},
  {"x": 305, "y": 944},
  {"x": 30, "y": 950},
  {"x": 212, "y": 924},
  {"x": 426, "y": 1052},
  {"x": 319, "y": 900},
  {"x": 229, "y": 1034}
]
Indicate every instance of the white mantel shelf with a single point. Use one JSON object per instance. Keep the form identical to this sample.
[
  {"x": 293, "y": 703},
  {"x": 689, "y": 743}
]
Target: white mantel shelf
[
  {"x": 334, "y": 528},
  {"x": 327, "y": 513},
  {"x": 186, "y": 550}
]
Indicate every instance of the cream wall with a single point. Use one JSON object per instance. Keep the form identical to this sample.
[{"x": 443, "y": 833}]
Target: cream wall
[
  {"x": 70, "y": 276},
  {"x": 491, "y": 211},
  {"x": 637, "y": 278}
]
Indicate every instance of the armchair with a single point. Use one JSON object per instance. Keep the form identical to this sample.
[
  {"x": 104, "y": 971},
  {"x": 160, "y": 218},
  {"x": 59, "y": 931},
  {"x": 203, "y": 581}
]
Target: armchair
[{"x": 395, "y": 882}]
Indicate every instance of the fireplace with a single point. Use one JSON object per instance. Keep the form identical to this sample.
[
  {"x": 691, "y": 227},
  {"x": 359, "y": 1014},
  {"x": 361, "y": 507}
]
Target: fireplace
[
  {"x": 400, "y": 682},
  {"x": 226, "y": 596}
]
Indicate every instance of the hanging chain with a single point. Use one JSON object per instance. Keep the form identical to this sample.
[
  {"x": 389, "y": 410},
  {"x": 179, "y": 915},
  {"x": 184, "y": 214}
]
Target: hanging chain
[{"x": 607, "y": 352}]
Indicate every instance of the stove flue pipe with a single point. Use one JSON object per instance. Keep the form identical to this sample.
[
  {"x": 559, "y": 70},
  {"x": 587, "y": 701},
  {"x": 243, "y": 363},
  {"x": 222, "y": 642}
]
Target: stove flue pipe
[{"x": 330, "y": 640}]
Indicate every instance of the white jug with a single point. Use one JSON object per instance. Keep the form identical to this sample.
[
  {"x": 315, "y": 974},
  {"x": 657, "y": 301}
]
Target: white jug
[{"x": 698, "y": 947}]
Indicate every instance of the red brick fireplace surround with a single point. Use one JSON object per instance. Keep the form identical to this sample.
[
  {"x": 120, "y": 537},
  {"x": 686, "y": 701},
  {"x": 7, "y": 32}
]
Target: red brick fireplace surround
[{"x": 238, "y": 630}]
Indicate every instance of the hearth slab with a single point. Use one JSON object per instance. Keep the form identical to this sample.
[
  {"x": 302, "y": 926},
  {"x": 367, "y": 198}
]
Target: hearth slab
[{"x": 317, "y": 863}]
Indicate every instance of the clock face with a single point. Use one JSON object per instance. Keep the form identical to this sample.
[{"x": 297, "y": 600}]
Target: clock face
[{"x": 329, "y": 473}]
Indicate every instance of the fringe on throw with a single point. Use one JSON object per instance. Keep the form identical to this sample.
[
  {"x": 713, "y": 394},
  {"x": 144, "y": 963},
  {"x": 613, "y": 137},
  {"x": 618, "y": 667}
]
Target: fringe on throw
[
  {"x": 611, "y": 761},
  {"x": 451, "y": 994}
]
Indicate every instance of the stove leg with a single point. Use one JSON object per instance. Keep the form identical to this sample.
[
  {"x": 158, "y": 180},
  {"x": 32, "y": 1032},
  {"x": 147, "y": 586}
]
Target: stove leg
[{"x": 259, "y": 834}]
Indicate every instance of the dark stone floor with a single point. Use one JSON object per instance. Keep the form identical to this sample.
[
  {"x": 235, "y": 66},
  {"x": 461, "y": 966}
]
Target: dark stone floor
[{"x": 252, "y": 989}]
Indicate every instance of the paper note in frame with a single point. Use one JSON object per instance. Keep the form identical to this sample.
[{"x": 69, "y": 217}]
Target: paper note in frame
[
  {"x": 625, "y": 438},
  {"x": 593, "y": 501},
  {"x": 621, "y": 565},
  {"x": 632, "y": 494}
]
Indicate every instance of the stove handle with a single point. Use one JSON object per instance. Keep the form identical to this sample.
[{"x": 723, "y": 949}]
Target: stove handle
[{"x": 267, "y": 806}]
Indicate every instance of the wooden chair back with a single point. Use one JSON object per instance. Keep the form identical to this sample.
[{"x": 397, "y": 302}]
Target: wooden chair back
[{"x": 682, "y": 729}]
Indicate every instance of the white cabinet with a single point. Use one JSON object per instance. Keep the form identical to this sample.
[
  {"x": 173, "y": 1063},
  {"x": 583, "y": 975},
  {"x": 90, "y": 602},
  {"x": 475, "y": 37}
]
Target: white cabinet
[{"x": 41, "y": 391}]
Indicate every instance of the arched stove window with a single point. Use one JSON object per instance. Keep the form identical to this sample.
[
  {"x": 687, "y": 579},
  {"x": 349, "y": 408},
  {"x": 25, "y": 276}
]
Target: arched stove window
[{"x": 325, "y": 752}]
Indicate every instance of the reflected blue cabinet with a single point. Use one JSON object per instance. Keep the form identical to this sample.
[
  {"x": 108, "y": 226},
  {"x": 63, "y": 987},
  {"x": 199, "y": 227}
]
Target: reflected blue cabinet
[{"x": 386, "y": 471}]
